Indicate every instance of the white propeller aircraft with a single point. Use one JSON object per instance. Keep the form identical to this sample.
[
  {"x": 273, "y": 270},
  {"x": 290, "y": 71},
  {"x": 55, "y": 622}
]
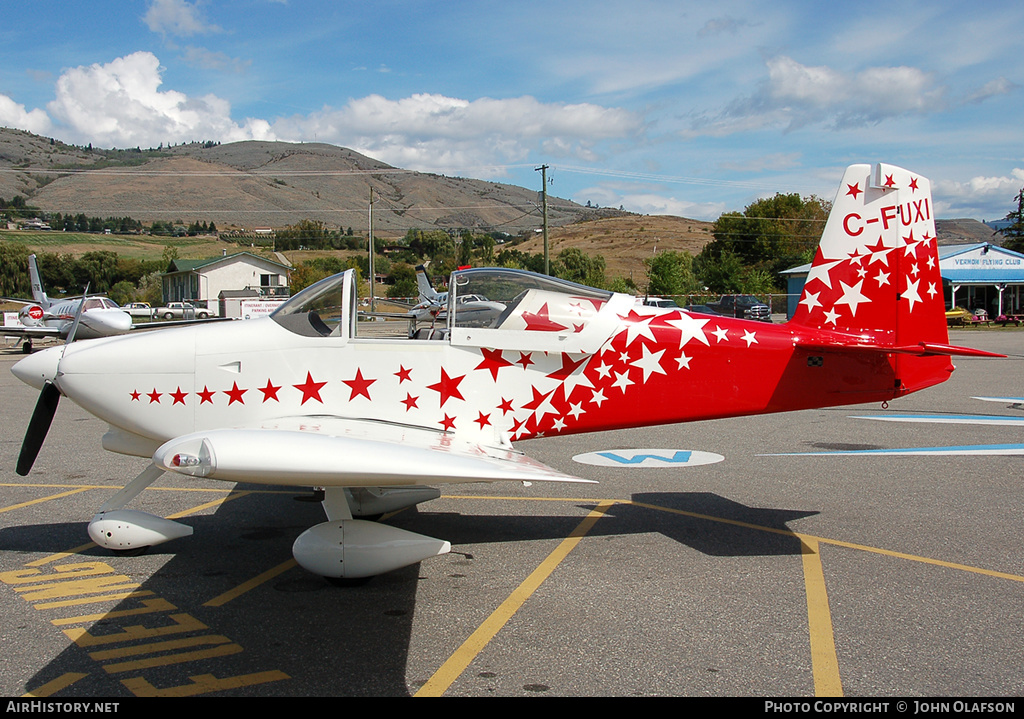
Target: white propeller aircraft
[
  {"x": 301, "y": 399},
  {"x": 433, "y": 305},
  {"x": 101, "y": 317}
]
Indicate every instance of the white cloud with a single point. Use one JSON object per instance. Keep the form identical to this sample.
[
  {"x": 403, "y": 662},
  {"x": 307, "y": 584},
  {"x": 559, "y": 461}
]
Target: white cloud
[
  {"x": 14, "y": 115},
  {"x": 794, "y": 95},
  {"x": 984, "y": 197},
  {"x": 178, "y": 18},
  {"x": 119, "y": 104},
  {"x": 439, "y": 133}
]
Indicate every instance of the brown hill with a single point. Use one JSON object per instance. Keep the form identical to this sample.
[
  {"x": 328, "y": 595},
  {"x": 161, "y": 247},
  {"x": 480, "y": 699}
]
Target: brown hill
[
  {"x": 262, "y": 184},
  {"x": 625, "y": 242}
]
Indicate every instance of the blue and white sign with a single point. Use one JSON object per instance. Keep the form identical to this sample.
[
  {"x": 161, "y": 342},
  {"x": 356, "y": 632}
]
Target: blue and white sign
[{"x": 648, "y": 458}]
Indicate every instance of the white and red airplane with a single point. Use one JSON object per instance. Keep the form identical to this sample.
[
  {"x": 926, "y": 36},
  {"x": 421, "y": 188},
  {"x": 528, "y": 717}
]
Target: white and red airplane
[
  {"x": 301, "y": 399},
  {"x": 100, "y": 317}
]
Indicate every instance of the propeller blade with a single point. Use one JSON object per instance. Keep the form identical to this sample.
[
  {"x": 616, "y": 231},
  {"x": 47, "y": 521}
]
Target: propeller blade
[
  {"x": 42, "y": 416},
  {"x": 78, "y": 316}
]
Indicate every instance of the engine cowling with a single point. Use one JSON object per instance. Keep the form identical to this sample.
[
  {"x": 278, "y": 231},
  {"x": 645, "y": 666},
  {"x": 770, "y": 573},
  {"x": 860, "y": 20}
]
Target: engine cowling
[
  {"x": 31, "y": 316},
  {"x": 354, "y": 548}
]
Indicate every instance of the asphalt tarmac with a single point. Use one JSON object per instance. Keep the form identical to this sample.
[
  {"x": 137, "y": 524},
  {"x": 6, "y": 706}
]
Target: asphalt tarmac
[{"x": 768, "y": 574}]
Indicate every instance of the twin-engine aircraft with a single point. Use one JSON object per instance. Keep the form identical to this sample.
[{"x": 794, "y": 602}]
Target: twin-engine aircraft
[
  {"x": 301, "y": 399},
  {"x": 100, "y": 317}
]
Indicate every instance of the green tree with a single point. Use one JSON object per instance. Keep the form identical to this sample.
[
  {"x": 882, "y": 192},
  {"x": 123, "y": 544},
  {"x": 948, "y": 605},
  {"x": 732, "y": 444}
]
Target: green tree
[
  {"x": 1014, "y": 232},
  {"x": 574, "y": 265},
  {"x": 671, "y": 273}
]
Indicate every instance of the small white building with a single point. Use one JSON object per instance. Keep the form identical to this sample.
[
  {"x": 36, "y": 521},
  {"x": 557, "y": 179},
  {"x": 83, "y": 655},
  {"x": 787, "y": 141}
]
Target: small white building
[{"x": 204, "y": 281}]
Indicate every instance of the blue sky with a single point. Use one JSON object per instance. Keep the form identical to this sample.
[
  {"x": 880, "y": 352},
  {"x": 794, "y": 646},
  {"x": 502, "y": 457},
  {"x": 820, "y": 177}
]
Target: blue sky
[{"x": 662, "y": 107}]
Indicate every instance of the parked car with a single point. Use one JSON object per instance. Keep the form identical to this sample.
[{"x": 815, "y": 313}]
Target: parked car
[
  {"x": 139, "y": 309},
  {"x": 182, "y": 310},
  {"x": 658, "y": 302},
  {"x": 745, "y": 306},
  {"x": 700, "y": 309}
]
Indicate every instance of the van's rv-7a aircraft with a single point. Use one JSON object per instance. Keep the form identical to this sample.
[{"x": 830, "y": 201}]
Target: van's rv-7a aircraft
[
  {"x": 101, "y": 317},
  {"x": 299, "y": 399}
]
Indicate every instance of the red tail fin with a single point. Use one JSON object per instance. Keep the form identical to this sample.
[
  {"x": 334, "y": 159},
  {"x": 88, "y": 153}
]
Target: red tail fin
[{"x": 876, "y": 273}]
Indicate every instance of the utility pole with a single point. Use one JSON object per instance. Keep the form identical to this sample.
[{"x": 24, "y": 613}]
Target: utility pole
[
  {"x": 544, "y": 206},
  {"x": 370, "y": 245}
]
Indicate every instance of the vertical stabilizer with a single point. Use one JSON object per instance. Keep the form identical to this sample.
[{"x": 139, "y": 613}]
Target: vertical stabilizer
[
  {"x": 37, "y": 284},
  {"x": 427, "y": 294},
  {"x": 876, "y": 271}
]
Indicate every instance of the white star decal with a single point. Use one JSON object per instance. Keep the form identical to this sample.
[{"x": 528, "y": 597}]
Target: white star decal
[
  {"x": 576, "y": 409},
  {"x": 598, "y": 397},
  {"x": 690, "y": 329},
  {"x": 931, "y": 290},
  {"x": 831, "y": 316},
  {"x": 650, "y": 363},
  {"x": 622, "y": 381},
  {"x": 749, "y": 338},
  {"x": 852, "y": 296},
  {"x": 684, "y": 361},
  {"x": 911, "y": 294},
  {"x": 719, "y": 333},
  {"x": 811, "y": 300},
  {"x": 882, "y": 278},
  {"x": 603, "y": 370}
]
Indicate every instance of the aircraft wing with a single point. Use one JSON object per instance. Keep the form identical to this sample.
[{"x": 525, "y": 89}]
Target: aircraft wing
[
  {"x": 329, "y": 451},
  {"x": 19, "y": 331}
]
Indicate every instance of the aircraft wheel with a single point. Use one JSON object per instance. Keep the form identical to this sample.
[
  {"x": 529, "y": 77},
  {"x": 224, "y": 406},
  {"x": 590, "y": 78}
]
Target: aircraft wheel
[
  {"x": 26, "y": 348},
  {"x": 133, "y": 552},
  {"x": 347, "y": 582}
]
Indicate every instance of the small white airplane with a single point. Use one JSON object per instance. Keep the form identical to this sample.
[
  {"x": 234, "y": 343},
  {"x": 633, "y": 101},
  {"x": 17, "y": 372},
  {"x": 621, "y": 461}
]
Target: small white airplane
[
  {"x": 433, "y": 305},
  {"x": 300, "y": 399},
  {"x": 101, "y": 317}
]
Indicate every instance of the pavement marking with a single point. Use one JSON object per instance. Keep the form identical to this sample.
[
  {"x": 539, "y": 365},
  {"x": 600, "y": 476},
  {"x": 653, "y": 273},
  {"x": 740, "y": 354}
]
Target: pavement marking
[
  {"x": 824, "y": 663},
  {"x": 55, "y": 685},
  {"x": 452, "y": 669},
  {"x": 22, "y": 505},
  {"x": 221, "y": 600}
]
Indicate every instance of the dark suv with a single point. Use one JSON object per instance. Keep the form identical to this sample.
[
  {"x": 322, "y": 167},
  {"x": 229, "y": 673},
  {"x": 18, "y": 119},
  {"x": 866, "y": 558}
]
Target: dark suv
[{"x": 745, "y": 306}]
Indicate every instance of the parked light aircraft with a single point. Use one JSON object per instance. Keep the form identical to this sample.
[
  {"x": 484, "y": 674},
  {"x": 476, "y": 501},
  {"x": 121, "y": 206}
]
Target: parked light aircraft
[
  {"x": 300, "y": 399},
  {"x": 101, "y": 317},
  {"x": 433, "y": 305}
]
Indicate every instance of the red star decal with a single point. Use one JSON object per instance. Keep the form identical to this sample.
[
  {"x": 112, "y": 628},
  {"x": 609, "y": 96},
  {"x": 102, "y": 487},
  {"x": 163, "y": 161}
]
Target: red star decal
[
  {"x": 541, "y": 321},
  {"x": 448, "y": 423},
  {"x": 310, "y": 389},
  {"x": 493, "y": 361},
  {"x": 179, "y": 396},
  {"x": 448, "y": 387},
  {"x": 524, "y": 359},
  {"x": 135, "y": 395},
  {"x": 854, "y": 190},
  {"x": 359, "y": 385},
  {"x": 505, "y": 406},
  {"x": 154, "y": 396},
  {"x": 889, "y": 182},
  {"x": 568, "y": 367},
  {"x": 483, "y": 420},
  {"x": 410, "y": 402},
  {"x": 206, "y": 395},
  {"x": 537, "y": 398},
  {"x": 269, "y": 392},
  {"x": 913, "y": 184},
  {"x": 403, "y": 374},
  {"x": 235, "y": 394}
]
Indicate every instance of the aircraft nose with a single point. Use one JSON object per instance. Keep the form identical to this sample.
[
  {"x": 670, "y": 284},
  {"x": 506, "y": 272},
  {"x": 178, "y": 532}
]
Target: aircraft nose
[
  {"x": 115, "y": 321},
  {"x": 38, "y": 367}
]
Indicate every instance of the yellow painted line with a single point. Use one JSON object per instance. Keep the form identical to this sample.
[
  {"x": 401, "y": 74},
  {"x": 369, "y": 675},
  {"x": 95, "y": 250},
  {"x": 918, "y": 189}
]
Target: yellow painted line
[
  {"x": 256, "y": 581},
  {"x": 22, "y": 505},
  {"x": 208, "y": 505},
  {"x": 824, "y": 663},
  {"x": 453, "y": 668},
  {"x": 55, "y": 685}
]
